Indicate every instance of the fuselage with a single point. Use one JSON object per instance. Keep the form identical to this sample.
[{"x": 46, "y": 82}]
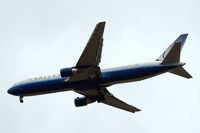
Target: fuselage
[{"x": 110, "y": 76}]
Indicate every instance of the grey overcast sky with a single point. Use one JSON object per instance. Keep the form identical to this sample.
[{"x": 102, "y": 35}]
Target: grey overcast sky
[{"x": 38, "y": 37}]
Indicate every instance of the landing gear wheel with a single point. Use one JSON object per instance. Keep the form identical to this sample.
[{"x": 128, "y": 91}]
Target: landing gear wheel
[{"x": 21, "y": 99}]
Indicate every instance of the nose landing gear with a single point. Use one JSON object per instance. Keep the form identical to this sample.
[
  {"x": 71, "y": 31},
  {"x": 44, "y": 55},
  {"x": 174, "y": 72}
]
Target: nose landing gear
[{"x": 21, "y": 99}]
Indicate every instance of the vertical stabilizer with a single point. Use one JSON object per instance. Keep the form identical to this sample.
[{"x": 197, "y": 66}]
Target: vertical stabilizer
[
  {"x": 173, "y": 55},
  {"x": 179, "y": 41}
]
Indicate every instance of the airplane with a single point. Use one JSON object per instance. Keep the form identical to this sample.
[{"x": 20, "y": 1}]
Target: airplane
[{"x": 89, "y": 80}]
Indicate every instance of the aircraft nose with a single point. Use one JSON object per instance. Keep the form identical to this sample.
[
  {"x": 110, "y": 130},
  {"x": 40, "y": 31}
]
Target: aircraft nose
[
  {"x": 9, "y": 91},
  {"x": 13, "y": 91}
]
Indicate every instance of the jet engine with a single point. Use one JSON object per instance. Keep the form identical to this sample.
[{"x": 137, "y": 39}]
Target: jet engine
[
  {"x": 83, "y": 101},
  {"x": 66, "y": 72}
]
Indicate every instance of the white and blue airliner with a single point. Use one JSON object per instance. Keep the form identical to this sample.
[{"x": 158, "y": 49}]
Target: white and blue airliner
[{"x": 89, "y": 80}]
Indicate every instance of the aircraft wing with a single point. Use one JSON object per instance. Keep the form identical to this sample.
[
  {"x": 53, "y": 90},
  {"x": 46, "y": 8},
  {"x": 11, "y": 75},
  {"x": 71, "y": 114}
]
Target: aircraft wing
[
  {"x": 109, "y": 99},
  {"x": 91, "y": 55},
  {"x": 115, "y": 102}
]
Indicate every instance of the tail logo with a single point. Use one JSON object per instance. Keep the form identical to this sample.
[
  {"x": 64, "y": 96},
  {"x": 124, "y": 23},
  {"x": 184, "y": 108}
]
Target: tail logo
[{"x": 164, "y": 55}]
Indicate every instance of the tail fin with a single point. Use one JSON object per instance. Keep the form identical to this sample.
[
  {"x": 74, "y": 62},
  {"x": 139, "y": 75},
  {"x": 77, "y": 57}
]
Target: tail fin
[{"x": 172, "y": 53}]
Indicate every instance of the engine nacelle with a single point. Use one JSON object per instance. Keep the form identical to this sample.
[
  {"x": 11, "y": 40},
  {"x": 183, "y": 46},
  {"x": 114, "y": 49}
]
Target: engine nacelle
[
  {"x": 83, "y": 101},
  {"x": 66, "y": 72}
]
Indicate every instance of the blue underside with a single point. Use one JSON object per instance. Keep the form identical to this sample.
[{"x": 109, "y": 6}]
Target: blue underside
[{"x": 108, "y": 77}]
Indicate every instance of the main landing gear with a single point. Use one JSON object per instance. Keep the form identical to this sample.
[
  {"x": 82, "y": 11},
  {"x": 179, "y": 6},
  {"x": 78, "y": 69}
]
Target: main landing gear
[{"x": 21, "y": 99}]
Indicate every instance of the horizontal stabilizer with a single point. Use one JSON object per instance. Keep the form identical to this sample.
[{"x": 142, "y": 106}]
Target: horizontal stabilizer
[{"x": 181, "y": 72}]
